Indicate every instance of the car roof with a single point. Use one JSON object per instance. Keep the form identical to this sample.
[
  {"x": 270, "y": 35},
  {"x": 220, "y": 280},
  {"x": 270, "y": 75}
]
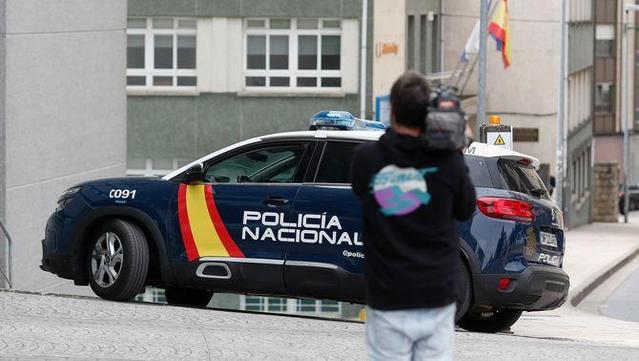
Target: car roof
[{"x": 476, "y": 149}]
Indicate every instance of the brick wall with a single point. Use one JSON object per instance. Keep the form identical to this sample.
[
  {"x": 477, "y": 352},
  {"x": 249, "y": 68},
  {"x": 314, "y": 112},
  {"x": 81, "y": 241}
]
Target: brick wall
[{"x": 605, "y": 205}]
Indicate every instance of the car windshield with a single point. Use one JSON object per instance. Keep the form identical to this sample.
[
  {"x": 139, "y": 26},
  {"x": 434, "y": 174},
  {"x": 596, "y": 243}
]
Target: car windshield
[{"x": 522, "y": 178}]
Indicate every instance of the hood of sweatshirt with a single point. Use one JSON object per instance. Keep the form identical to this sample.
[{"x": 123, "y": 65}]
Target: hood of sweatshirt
[{"x": 404, "y": 150}]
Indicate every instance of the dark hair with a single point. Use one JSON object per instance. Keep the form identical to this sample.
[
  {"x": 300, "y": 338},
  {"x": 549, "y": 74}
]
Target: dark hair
[{"x": 409, "y": 99}]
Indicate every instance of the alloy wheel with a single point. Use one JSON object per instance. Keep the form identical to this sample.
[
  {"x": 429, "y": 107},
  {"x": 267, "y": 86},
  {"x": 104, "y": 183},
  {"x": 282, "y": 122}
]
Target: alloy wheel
[{"x": 106, "y": 259}]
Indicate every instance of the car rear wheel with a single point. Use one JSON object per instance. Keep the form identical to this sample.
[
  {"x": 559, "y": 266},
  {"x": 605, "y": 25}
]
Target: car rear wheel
[
  {"x": 464, "y": 291},
  {"x": 117, "y": 260},
  {"x": 188, "y": 297},
  {"x": 489, "y": 322}
]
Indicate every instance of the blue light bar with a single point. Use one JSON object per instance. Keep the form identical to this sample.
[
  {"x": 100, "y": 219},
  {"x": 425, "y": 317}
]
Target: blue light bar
[{"x": 340, "y": 120}]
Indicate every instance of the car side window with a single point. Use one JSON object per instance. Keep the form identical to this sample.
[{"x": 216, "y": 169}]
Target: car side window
[
  {"x": 277, "y": 164},
  {"x": 335, "y": 166}
]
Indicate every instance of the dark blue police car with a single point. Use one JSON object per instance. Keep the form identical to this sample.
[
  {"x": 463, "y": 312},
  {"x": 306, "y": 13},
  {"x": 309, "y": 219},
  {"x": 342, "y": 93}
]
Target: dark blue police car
[{"x": 275, "y": 215}]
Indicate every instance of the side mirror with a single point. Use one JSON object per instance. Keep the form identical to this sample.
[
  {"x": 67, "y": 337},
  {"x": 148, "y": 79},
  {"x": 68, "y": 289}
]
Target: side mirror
[{"x": 195, "y": 174}]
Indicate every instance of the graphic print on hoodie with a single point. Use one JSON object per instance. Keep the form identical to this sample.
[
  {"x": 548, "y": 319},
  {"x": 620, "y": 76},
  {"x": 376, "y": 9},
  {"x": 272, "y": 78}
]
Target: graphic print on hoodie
[{"x": 400, "y": 191}]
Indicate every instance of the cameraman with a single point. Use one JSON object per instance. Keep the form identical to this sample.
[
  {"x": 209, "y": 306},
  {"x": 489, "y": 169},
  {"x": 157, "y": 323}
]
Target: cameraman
[{"x": 411, "y": 197}]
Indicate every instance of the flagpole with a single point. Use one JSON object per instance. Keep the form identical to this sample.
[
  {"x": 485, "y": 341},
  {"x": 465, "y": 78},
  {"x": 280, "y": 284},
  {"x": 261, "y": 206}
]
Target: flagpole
[{"x": 481, "y": 91}]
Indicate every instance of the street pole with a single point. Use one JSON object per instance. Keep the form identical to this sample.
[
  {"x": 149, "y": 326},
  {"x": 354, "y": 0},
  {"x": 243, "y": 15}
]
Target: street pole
[
  {"x": 481, "y": 92},
  {"x": 362, "y": 65},
  {"x": 561, "y": 110},
  {"x": 625, "y": 109}
]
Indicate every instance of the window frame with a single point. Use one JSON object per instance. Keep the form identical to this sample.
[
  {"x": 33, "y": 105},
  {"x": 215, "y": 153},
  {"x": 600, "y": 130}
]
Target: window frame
[
  {"x": 310, "y": 145},
  {"x": 293, "y": 72},
  {"x": 297, "y": 176},
  {"x": 149, "y": 71}
]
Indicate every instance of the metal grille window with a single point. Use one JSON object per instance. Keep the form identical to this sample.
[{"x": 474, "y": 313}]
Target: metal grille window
[
  {"x": 604, "y": 97},
  {"x": 604, "y": 41},
  {"x": 293, "y": 54},
  {"x": 161, "y": 52}
]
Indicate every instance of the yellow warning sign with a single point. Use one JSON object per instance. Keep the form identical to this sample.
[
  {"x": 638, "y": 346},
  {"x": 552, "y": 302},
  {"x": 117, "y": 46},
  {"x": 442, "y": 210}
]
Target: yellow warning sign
[{"x": 499, "y": 140}]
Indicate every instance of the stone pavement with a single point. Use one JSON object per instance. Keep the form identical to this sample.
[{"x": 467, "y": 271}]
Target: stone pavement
[
  {"x": 590, "y": 251},
  {"x": 47, "y": 327}
]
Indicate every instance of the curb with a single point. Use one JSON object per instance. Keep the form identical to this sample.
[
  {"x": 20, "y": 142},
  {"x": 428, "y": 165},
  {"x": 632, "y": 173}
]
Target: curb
[{"x": 582, "y": 293}]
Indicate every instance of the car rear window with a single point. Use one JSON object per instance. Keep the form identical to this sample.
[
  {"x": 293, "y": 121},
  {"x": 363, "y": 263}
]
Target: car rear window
[
  {"x": 478, "y": 171},
  {"x": 520, "y": 177}
]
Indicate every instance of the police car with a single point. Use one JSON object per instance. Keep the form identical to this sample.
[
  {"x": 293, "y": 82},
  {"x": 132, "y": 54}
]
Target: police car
[{"x": 275, "y": 215}]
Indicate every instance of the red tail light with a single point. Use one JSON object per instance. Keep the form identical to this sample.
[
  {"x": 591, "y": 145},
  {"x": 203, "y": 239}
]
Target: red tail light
[{"x": 504, "y": 208}]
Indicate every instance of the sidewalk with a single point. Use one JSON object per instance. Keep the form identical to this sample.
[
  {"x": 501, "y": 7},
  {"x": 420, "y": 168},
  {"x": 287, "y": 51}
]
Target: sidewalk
[{"x": 591, "y": 251}]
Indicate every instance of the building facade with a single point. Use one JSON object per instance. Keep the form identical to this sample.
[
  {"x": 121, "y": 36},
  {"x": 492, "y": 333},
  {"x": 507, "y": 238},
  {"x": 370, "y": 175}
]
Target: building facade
[
  {"x": 579, "y": 117},
  {"x": 203, "y": 74},
  {"x": 525, "y": 94},
  {"x": 608, "y": 123},
  {"x": 62, "y": 117}
]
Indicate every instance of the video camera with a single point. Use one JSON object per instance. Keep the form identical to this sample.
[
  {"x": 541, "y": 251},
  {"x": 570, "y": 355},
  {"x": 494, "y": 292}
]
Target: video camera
[{"x": 445, "y": 127}]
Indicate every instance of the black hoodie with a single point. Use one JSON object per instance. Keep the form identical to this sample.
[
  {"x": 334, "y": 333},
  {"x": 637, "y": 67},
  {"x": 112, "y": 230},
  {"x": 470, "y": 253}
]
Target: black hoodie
[{"x": 411, "y": 198}]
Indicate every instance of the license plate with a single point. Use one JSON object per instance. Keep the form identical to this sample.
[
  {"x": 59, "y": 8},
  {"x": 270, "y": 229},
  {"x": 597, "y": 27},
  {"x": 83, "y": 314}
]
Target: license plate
[{"x": 548, "y": 239}]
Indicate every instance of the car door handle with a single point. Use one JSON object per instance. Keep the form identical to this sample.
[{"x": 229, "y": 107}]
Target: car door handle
[{"x": 275, "y": 201}]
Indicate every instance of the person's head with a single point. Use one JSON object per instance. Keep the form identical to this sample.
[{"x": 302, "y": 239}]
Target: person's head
[{"x": 409, "y": 99}]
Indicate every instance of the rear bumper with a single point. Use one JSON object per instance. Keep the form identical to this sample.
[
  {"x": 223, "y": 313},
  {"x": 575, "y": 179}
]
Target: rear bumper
[{"x": 538, "y": 287}]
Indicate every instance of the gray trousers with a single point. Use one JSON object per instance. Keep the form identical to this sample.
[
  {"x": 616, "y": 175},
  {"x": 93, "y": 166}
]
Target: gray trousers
[{"x": 418, "y": 334}]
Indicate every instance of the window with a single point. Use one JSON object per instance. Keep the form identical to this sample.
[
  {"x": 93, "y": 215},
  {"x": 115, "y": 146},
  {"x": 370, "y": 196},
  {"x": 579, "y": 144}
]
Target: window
[
  {"x": 161, "y": 52},
  {"x": 335, "y": 166},
  {"x": 293, "y": 53},
  {"x": 603, "y": 97},
  {"x": 604, "y": 41},
  {"x": 267, "y": 165},
  {"x": 521, "y": 178}
]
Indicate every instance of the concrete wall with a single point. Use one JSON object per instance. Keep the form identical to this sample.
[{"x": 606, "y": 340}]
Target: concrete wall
[
  {"x": 65, "y": 115},
  {"x": 190, "y": 126},
  {"x": 389, "y": 31},
  {"x": 605, "y": 205},
  {"x": 581, "y": 45},
  {"x": 235, "y": 8}
]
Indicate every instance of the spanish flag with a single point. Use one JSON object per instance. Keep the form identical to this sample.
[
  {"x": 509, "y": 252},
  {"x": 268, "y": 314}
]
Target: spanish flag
[
  {"x": 203, "y": 232},
  {"x": 500, "y": 31}
]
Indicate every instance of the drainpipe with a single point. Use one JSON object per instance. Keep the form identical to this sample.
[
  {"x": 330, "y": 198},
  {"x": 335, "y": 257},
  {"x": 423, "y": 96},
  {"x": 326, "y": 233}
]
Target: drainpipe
[{"x": 362, "y": 78}]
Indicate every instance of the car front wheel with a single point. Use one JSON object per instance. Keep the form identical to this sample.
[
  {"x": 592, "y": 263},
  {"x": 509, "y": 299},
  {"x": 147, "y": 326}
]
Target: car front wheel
[
  {"x": 489, "y": 322},
  {"x": 118, "y": 260}
]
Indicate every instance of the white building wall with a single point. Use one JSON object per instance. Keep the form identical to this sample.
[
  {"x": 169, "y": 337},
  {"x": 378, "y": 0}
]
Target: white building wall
[
  {"x": 389, "y": 30},
  {"x": 65, "y": 116}
]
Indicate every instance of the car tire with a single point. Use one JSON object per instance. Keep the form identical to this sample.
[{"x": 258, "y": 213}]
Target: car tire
[
  {"x": 489, "y": 322},
  {"x": 464, "y": 291},
  {"x": 188, "y": 297},
  {"x": 117, "y": 260}
]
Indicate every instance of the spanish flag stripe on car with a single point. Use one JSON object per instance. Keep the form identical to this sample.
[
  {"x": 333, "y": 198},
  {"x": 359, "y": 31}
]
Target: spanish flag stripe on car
[
  {"x": 224, "y": 235},
  {"x": 203, "y": 232},
  {"x": 185, "y": 228}
]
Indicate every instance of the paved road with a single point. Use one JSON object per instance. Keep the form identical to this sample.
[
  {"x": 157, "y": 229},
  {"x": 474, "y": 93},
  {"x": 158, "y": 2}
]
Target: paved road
[
  {"x": 52, "y": 327},
  {"x": 623, "y": 302}
]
